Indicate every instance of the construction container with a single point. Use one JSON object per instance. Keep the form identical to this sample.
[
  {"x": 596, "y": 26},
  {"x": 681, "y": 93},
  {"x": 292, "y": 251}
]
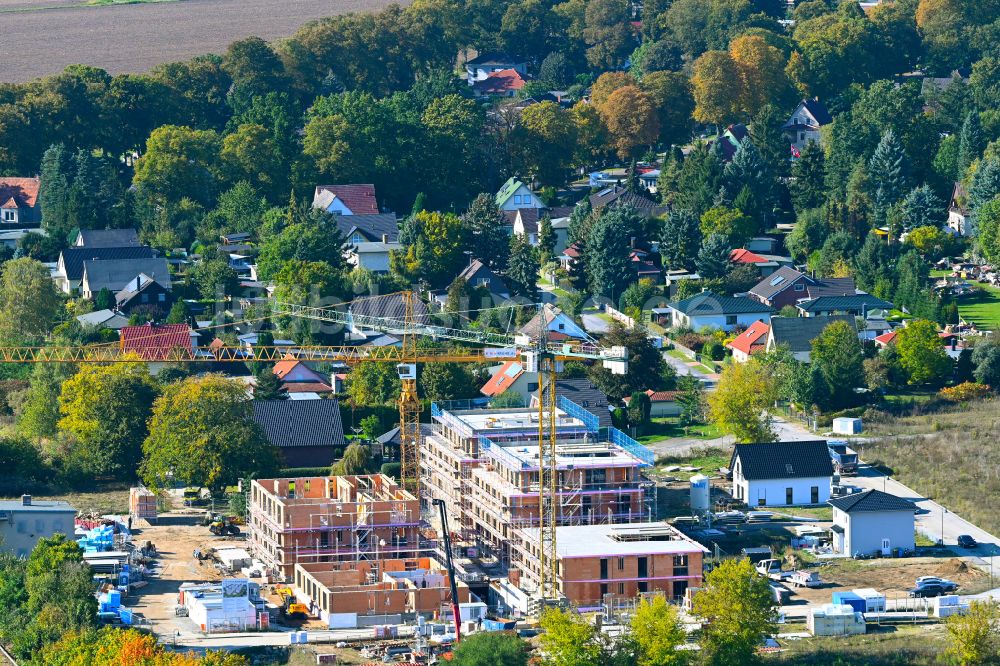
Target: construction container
[
  {"x": 947, "y": 605},
  {"x": 849, "y": 599},
  {"x": 874, "y": 600},
  {"x": 843, "y": 425},
  {"x": 142, "y": 503},
  {"x": 835, "y": 620}
]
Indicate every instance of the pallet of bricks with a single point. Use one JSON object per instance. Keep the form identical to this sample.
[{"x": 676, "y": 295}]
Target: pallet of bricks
[{"x": 142, "y": 503}]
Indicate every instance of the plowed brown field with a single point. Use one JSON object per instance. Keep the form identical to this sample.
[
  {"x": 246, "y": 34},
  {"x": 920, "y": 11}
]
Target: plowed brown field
[{"x": 39, "y": 37}]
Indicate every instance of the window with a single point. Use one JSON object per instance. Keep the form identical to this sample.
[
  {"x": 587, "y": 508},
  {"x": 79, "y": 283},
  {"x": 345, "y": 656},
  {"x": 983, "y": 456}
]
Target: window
[
  {"x": 761, "y": 501},
  {"x": 161, "y": 298},
  {"x": 532, "y": 387},
  {"x": 730, "y": 320},
  {"x": 356, "y": 238},
  {"x": 799, "y": 286},
  {"x": 517, "y": 198},
  {"x": 604, "y": 573},
  {"x": 788, "y": 496},
  {"x": 621, "y": 564},
  {"x": 814, "y": 495},
  {"x": 621, "y": 589},
  {"x": 10, "y": 216},
  {"x": 643, "y": 587},
  {"x": 642, "y": 567},
  {"x": 604, "y": 589}
]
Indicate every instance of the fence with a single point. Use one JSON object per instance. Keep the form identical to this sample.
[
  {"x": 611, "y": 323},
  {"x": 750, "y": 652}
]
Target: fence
[
  {"x": 620, "y": 316},
  {"x": 576, "y": 411},
  {"x": 632, "y": 446}
]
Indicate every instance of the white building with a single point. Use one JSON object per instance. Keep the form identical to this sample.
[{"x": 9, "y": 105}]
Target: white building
[
  {"x": 872, "y": 522},
  {"x": 782, "y": 473},
  {"x": 232, "y": 605},
  {"x": 708, "y": 310},
  {"x": 23, "y": 522},
  {"x": 514, "y": 194}
]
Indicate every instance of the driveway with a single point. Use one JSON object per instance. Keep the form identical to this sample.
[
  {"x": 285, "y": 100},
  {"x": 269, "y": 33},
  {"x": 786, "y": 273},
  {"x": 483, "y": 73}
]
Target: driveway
[
  {"x": 683, "y": 368},
  {"x": 594, "y": 324}
]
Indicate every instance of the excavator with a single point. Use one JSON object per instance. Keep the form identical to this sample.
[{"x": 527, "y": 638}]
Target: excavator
[{"x": 290, "y": 608}]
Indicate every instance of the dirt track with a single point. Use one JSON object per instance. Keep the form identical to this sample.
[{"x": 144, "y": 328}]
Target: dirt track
[{"x": 135, "y": 38}]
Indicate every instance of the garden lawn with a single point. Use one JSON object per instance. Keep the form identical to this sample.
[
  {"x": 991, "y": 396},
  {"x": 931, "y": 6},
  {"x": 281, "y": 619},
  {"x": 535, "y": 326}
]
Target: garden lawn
[
  {"x": 982, "y": 308},
  {"x": 668, "y": 428}
]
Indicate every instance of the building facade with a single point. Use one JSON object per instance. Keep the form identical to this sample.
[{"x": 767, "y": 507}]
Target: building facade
[
  {"x": 782, "y": 473},
  {"x": 331, "y": 519},
  {"x": 23, "y": 522},
  {"x": 872, "y": 522}
]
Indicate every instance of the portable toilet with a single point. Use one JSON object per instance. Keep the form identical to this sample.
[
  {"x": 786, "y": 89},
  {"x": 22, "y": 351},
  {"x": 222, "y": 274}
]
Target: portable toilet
[{"x": 700, "y": 494}]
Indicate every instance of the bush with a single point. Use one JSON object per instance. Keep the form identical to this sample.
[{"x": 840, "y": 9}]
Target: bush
[
  {"x": 714, "y": 350},
  {"x": 965, "y": 392},
  {"x": 391, "y": 469},
  {"x": 304, "y": 471}
]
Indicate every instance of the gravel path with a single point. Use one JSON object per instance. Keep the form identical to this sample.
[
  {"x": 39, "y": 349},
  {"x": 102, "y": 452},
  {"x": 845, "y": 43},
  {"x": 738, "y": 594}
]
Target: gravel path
[{"x": 135, "y": 38}]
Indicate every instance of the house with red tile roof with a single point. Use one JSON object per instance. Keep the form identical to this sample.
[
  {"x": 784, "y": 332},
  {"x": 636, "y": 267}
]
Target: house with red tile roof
[
  {"x": 765, "y": 263},
  {"x": 750, "y": 341},
  {"x": 511, "y": 377},
  {"x": 503, "y": 83},
  {"x": 346, "y": 199},
  {"x": 156, "y": 342},
  {"x": 19, "y": 202},
  {"x": 661, "y": 403},
  {"x": 297, "y": 377}
]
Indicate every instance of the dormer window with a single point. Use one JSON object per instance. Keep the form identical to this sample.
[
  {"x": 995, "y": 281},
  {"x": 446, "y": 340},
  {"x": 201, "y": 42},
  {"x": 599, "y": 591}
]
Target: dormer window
[{"x": 356, "y": 238}]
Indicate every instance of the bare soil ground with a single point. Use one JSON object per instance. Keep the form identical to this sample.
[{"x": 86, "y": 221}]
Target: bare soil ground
[
  {"x": 891, "y": 577},
  {"x": 137, "y": 37}
]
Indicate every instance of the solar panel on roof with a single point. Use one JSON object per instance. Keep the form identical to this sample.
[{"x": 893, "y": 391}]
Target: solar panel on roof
[{"x": 777, "y": 280}]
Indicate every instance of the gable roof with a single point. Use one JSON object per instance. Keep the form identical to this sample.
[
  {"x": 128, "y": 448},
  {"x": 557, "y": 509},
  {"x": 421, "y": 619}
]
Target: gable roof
[
  {"x": 371, "y": 227},
  {"x": 618, "y": 195},
  {"x": 502, "y": 379},
  {"x": 853, "y": 302},
  {"x": 799, "y": 332},
  {"x": 744, "y": 256},
  {"x": 295, "y": 423},
  {"x": 783, "y": 460},
  {"x": 871, "y": 501},
  {"x": 477, "y": 269},
  {"x": 831, "y": 287},
  {"x": 283, "y": 367},
  {"x": 777, "y": 282},
  {"x": 389, "y": 306},
  {"x": 959, "y": 199},
  {"x": 500, "y": 82},
  {"x": 133, "y": 288},
  {"x": 72, "y": 258},
  {"x": 815, "y": 108},
  {"x": 359, "y": 199},
  {"x": 529, "y": 219},
  {"x": 105, "y": 318},
  {"x": 107, "y": 238},
  {"x": 708, "y": 303},
  {"x": 24, "y": 191},
  {"x": 154, "y": 342},
  {"x": 886, "y": 338},
  {"x": 752, "y": 339},
  {"x": 494, "y": 58},
  {"x": 115, "y": 274},
  {"x": 508, "y": 189},
  {"x": 549, "y": 313}
]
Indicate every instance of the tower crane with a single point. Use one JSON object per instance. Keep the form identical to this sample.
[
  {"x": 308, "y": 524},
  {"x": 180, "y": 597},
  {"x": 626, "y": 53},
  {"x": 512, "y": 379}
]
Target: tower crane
[{"x": 540, "y": 355}]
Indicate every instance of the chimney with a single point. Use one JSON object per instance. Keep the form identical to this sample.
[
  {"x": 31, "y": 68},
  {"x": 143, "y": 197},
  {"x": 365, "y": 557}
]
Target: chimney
[
  {"x": 25, "y": 500},
  {"x": 385, "y": 238}
]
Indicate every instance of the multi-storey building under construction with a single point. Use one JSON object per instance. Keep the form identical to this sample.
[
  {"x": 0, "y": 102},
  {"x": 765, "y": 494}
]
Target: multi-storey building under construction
[
  {"x": 331, "y": 519},
  {"x": 484, "y": 463}
]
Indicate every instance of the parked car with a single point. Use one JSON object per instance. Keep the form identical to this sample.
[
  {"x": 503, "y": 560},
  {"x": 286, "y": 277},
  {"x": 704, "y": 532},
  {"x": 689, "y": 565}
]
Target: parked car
[
  {"x": 928, "y": 590},
  {"x": 948, "y": 585},
  {"x": 966, "y": 541}
]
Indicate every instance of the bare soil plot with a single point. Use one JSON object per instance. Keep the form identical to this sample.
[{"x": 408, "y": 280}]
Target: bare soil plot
[{"x": 137, "y": 37}]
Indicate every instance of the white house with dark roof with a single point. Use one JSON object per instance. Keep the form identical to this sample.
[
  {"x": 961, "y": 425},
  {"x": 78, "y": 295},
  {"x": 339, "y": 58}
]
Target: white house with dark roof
[
  {"x": 489, "y": 62},
  {"x": 106, "y": 238},
  {"x": 805, "y": 123},
  {"x": 872, "y": 522},
  {"x": 797, "y": 333},
  {"x": 709, "y": 310},
  {"x": 355, "y": 199},
  {"x": 782, "y": 473},
  {"x": 959, "y": 216}
]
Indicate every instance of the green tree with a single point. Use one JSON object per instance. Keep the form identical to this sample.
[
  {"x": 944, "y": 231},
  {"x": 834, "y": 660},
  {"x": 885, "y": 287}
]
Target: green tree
[
  {"x": 38, "y": 415},
  {"x": 922, "y": 208},
  {"x": 691, "y": 400},
  {"x": 549, "y": 137},
  {"x": 731, "y": 223},
  {"x": 104, "y": 299},
  {"x": 178, "y": 163},
  {"x": 988, "y": 230},
  {"x": 809, "y": 234},
  {"x": 657, "y": 631},
  {"x": 29, "y": 301},
  {"x": 921, "y": 353},
  {"x": 215, "y": 279},
  {"x": 887, "y": 171},
  {"x": 638, "y": 410},
  {"x": 713, "y": 257},
  {"x": 680, "y": 239},
  {"x": 355, "y": 461},
  {"x": 606, "y": 33},
  {"x": 985, "y": 183},
  {"x": 673, "y": 100},
  {"x": 447, "y": 381},
  {"x": 522, "y": 269},
  {"x": 268, "y": 387},
  {"x": 607, "y": 247},
  {"x": 106, "y": 409},
  {"x": 372, "y": 384},
  {"x": 646, "y": 367},
  {"x": 739, "y": 404},
  {"x": 971, "y": 144},
  {"x": 546, "y": 240},
  {"x": 836, "y": 351},
  {"x": 491, "y": 649},
  {"x": 486, "y": 228},
  {"x": 569, "y": 640},
  {"x": 809, "y": 175},
  {"x": 737, "y": 607},
  {"x": 986, "y": 359},
  {"x": 202, "y": 433},
  {"x": 973, "y": 634}
]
